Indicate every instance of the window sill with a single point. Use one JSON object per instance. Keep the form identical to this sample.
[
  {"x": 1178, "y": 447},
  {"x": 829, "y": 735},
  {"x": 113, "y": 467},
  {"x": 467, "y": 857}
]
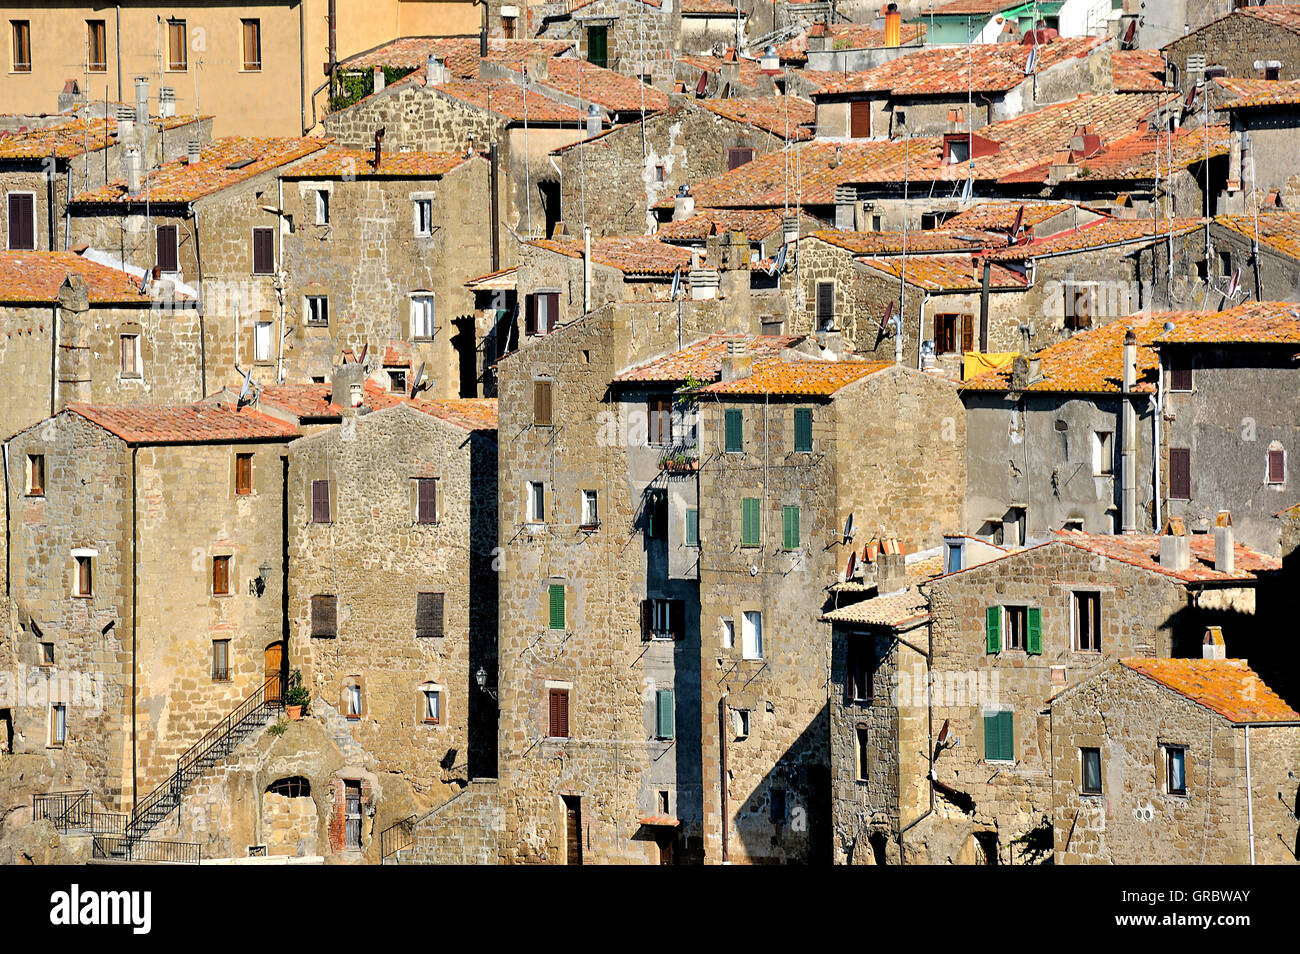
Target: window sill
[
  {"x": 1091, "y": 795},
  {"x": 222, "y": 595},
  {"x": 83, "y": 596},
  {"x": 35, "y": 494},
  {"x": 431, "y": 722},
  {"x": 324, "y": 635},
  {"x": 353, "y": 718},
  {"x": 246, "y": 69},
  {"x": 425, "y": 523},
  {"x": 245, "y": 493}
]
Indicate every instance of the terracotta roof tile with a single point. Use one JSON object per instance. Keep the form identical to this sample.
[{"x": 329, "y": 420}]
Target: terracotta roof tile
[
  {"x": 614, "y": 91},
  {"x": 304, "y": 401},
  {"x": 1226, "y": 686},
  {"x": 338, "y": 161},
  {"x": 1285, "y": 15},
  {"x": 702, "y": 360},
  {"x": 779, "y": 375},
  {"x": 784, "y": 116},
  {"x": 1137, "y": 71},
  {"x": 897, "y": 609},
  {"x": 1135, "y": 155},
  {"x": 37, "y": 277},
  {"x": 507, "y": 99},
  {"x": 946, "y": 272},
  {"x": 887, "y": 243},
  {"x": 642, "y": 255},
  {"x": 1255, "y": 322},
  {"x": 469, "y": 414},
  {"x": 755, "y": 223},
  {"x": 460, "y": 54},
  {"x": 74, "y": 137},
  {"x": 847, "y": 36},
  {"x": 1001, "y": 216},
  {"x": 708, "y": 8},
  {"x": 749, "y": 69},
  {"x": 223, "y": 163},
  {"x": 1266, "y": 93},
  {"x": 1096, "y": 234},
  {"x": 1143, "y": 550},
  {"x": 185, "y": 423},
  {"x": 1279, "y": 231},
  {"x": 502, "y": 278}
]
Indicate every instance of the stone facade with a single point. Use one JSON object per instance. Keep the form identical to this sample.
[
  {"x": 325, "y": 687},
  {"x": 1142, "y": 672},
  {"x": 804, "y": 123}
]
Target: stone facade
[
  {"x": 1235, "y": 42},
  {"x": 639, "y": 38}
]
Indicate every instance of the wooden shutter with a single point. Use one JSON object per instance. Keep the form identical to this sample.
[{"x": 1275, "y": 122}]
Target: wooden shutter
[
  {"x": 659, "y": 414},
  {"x": 324, "y": 616},
  {"x": 692, "y": 527},
  {"x": 647, "y": 619},
  {"x": 991, "y": 750},
  {"x": 558, "y": 714},
  {"x": 555, "y": 597},
  {"x": 552, "y": 310},
  {"x": 825, "y": 304},
  {"x": 664, "y": 714},
  {"x": 427, "y": 499},
  {"x": 738, "y": 157},
  {"x": 167, "y": 256},
  {"x": 750, "y": 528},
  {"x": 1006, "y": 737},
  {"x": 967, "y": 333},
  {"x": 677, "y": 618},
  {"x": 320, "y": 501},
  {"x": 429, "y": 609},
  {"x": 860, "y": 120},
  {"x": 790, "y": 528},
  {"x": 803, "y": 429},
  {"x": 1180, "y": 373},
  {"x": 263, "y": 251},
  {"x": 542, "y": 415},
  {"x": 22, "y": 222},
  {"x": 176, "y": 51},
  {"x": 243, "y": 473},
  {"x": 1034, "y": 634},
  {"x": 530, "y": 314},
  {"x": 221, "y": 575},
  {"x": 1180, "y": 473},
  {"x": 734, "y": 420},
  {"x": 252, "y": 44},
  {"x": 993, "y": 628},
  {"x": 1276, "y": 467}
]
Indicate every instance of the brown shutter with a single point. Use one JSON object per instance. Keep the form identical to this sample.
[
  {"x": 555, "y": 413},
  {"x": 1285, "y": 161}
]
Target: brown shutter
[
  {"x": 647, "y": 619},
  {"x": 542, "y": 403},
  {"x": 221, "y": 574},
  {"x": 263, "y": 251},
  {"x": 22, "y": 222},
  {"x": 967, "y": 333},
  {"x": 167, "y": 253},
  {"x": 738, "y": 157},
  {"x": 429, "y": 608},
  {"x": 320, "y": 501},
  {"x": 324, "y": 616},
  {"x": 530, "y": 314},
  {"x": 1276, "y": 467},
  {"x": 563, "y": 695},
  {"x": 552, "y": 311},
  {"x": 243, "y": 473},
  {"x": 825, "y": 304},
  {"x": 677, "y": 618},
  {"x": 558, "y": 714},
  {"x": 426, "y": 489},
  {"x": 1180, "y": 473},
  {"x": 860, "y": 120}
]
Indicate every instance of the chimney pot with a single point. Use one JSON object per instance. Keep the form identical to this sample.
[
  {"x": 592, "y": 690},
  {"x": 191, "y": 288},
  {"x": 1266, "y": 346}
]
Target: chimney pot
[
  {"x": 131, "y": 168},
  {"x": 193, "y": 152},
  {"x": 1212, "y": 646},
  {"x": 142, "y": 100},
  {"x": 1175, "y": 546},
  {"x": 1224, "y": 548},
  {"x": 380, "y": 79}
]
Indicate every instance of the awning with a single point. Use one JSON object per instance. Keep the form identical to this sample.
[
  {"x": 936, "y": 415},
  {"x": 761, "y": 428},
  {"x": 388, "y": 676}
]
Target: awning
[{"x": 660, "y": 821}]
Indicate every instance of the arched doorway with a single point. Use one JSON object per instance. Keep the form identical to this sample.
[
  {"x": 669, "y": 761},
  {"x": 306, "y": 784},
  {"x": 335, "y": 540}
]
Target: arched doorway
[{"x": 275, "y": 670}]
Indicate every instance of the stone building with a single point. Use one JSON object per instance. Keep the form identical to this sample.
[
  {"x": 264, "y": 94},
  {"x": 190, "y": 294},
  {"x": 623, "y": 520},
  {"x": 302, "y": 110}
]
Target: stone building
[
  {"x": 1263, "y": 120},
  {"x": 1256, "y": 41},
  {"x": 388, "y": 250},
  {"x": 634, "y": 37},
  {"x": 1273, "y": 274},
  {"x": 79, "y": 331},
  {"x": 1175, "y": 761}
]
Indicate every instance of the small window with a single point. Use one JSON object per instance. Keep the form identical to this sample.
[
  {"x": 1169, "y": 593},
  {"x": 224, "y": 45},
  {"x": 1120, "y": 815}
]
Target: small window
[
  {"x": 263, "y": 251},
  {"x": 1080, "y": 306},
  {"x": 659, "y": 412},
  {"x": 825, "y": 306},
  {"x": 324, "y": 617},
  {"x": 1090, "y": 763},
  {"x": 352, "y": 814},
  {"x": 47, "y": 655},
  {"x": 861, "y": 668},
  {"x": 789, "y": 528},
  {"x": 656, "y": 514},
  {"x": 422, "y": 317},
  {"x": 1017, "y": 623},
  {"x": 863, "y": 749},
  {"x": 742, "y": 723},
  {"x": 1175, "y": 769},
  {"x": 1087, "y": 622},
  {"x": 508, "y": 27},
  {"x": 691, "y": 536},
  {"x": 734, "y": 427},
  {"x": 396, "y": 381},
  {"x": 751, "y": 528},
  {"x": 22, "y": 221},
  {"x": 432, "y": 709},
  {"x": 251, "y": 31},
  {"x": 1225, "y": 263},
  {"x": 953, "y": 557},
  {"x": 322, "y": 207},
  {"x": 541, "y": 313},
  {"x": 555, "y": 606},
  {"x": 21, "y": 30},
  {"x": 945, "y": 334},
  {"x": 317, "y": 310},
  {"x": 96, "y": 46},
  {"x": 423, "y": 217},
  {"x": 129, "y": 353},
  {"x": 536, "y": 502},
  {"x": 58, "y": 724},
  {"x": 1103, "y": 453},
  {"x": 543, "y": 406},
  {"x": 1276, "y": 466},
  {"x": 243, "y": 474},
  {"x": 1180, "y": 372},
  {"x": 429, "y": 615},
  {"x": 320, "y": 501},
  {"x": 999, "y": 737},
  {"x": 590, "y": 510},
  {"x": 221, "y": 576},
  {"x": 36, "y": 475},
  {"x": 803, "y": 430},
  {"x": 737, "y": 157},
  {"x": 262, "y": 342},
  {"x": 167, "y": 253},
  {"x": 1180, "y": 473},
  {"x": 85, "y": 576},
  {"x": 728, "y": 632},
  {"x": 663, "y": 619},
  {"x": 751, "y": 633},
  {"x": 177, "y": 44},
  {"x": 557, "y": 722},
  {"x": 220, "y": 660},
  {"x": 665, "y": 714},
  {"x": 426, "y": 500},
  {"x": 352, "y": 699},
  {"x": 777, "y": 807},
  {"x": 295, "y": 786},
  {"x": 598, "y": 45}
]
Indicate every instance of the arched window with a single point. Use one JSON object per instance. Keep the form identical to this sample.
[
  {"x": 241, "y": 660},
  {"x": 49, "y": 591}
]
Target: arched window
[{"x": 295, "y": 786}]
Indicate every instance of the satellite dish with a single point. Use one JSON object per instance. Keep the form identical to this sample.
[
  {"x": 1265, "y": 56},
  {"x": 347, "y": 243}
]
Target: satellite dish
[
  {"x": 419, "y": 378},
  {"x": 850, "y": 566},
  {"x": 943, "y": 733},
  {"x": 245, "y": 388},
  {"x": 848, "y": 528},
  {"x": 365, "y": 353}
]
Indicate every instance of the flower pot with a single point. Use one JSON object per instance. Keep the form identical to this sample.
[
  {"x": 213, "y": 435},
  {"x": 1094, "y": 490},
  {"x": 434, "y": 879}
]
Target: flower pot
[{"x": 293, "y": 712}]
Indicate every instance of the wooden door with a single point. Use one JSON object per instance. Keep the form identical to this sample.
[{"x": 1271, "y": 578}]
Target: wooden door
[
  {"x": 666, "y": 838},
  {"x": 273, "y": 668},
  {"x": 860, "y": 120},
  {"x": 572, "y": 829}
]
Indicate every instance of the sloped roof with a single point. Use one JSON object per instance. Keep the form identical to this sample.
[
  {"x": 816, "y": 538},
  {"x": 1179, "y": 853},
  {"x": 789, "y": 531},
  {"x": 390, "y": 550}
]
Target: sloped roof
[
  {"x": 1254, "y": 322},
  {"x": 1098, "y": 234},
  {"x": 779, "y": 375},
  {"x": 848, "y": 36},
  {"x": 339, "y": 161},
  {"x": 37, "y": 277},
  {"x": 898, "y": 609},
  {"x": 304, "y": 401},
  {"x": 1143, "y": 550},
  {"x": 1277, "y": 93},
  {"x": 469, "y": 414},
  {"x": 635, "y": 254},
  {"x": 1137, "y": 71},
  {"x": 1001, "y": 216},
  {"x": 784, "y": 116},
  {"x": 73, "y": 137},
  {"x": 1226, "y": 686},
  {"x": 702, "y": 360},
  {"x": 1134, "y": 156},
  {"x": 185, "y": 423},
  {"x": 508, "y": 100},
  {"x": 928, "y": 240},
  {"x": 460, "y": 54},
  {"x": 595, "y": 84},
  {"x": 1279, "y": 231},
  {"x": 755, "y": 223},
  {"x": 946, "y": 272}
]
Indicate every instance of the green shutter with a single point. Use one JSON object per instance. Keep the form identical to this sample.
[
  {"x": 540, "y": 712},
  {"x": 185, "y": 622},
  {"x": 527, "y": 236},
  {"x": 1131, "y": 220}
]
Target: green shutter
[
  {"x": 803, "y": 429},
  {"x": 1034, "y": 638},
  {"x": 1006, "y": 737},
  {"x": 993, "y": 628},
  {"x": 665, "y": 721},
  {"x": 692, "y": 527},
  {"x": 557, "y": 606},
  {"x": 750, "y": 526},
  {"x": 790, "y": 528},
  {"x": 735, "y": 428},
  {"x": 991, "y": 737}
]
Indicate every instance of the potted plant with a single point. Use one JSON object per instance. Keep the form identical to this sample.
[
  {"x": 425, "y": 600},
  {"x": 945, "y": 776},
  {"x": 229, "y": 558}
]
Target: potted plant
[{"x": 298, "y": 698}]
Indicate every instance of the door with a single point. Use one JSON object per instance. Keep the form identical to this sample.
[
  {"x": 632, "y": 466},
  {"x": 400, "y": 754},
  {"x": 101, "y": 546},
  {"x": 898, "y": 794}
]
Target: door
[
  {"x": 352, "y": 816},
  {"x": 597, "y": 45},
  {"x": 666, "y": 838},
  {"x": 572, "y": 829},
  {"x": 273, "y": 669},
  {"x": 860, "y": 120}
]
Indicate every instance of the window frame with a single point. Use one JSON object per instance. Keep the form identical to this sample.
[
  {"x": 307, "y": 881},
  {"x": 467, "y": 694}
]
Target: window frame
[
  {"x": 167, "y": 254},
  {"x": 536, "y": 502},
  {"x": 244, "y": 24},
  {"x": 129, "y": 339},
  {"x": 30, "y": 196},
  {"x": 1168, "y": 751},
  {"x": 665, "y": 727},
  {"x": 58, "y": 719},
  {"x": 824, "y": 322},
  {"x": 791, "y": 532},
  {"x": 751, "y": 635},
  {"x": 589, "y": 514},
  {"x": 998, "y": 715},
  {"x": 691, "y": 527},
  {"x": 435, "y": 691},
  {"x": 84, "y": 578},
  {"x": 422, "y": 216},
  {"x": 322, "y": 206},
  {"x": 422, "y": 317},
  {"x": 1278, "y": 454},
  {"x": 220, "y": 670},
  {"x": 427, "y": 510},
  {"x": 20, "y": 38},
  {"x": 1181, "y": 491},
  {"x": 313, "y": 316},
  {"x": 1182, "y": 373},
  {"x": 1103, "y": 463},
  {"x": 733, "y": 426},
  {"x": 353, "y": 693},
  {"x": 1085, "y": 789},
  {"x": 318, "y": 617},
  {"x": 221, "y": 575},
  {"x": 268, "y": 268},
  {"x": 751, "y": 518},
  {"x": 1095, "y": 624},
  {"x": 96, "y": 36},
  {"x": 558, "y": 723},
  {"x": 433, "y": 598},
  {"x": 175, "y": 65},
  {"x": 35, "y": 487},
  {"x": 861, "y": 751},
  {"x": 803, "y": 421},
  {"x": 316, "y": 515}
]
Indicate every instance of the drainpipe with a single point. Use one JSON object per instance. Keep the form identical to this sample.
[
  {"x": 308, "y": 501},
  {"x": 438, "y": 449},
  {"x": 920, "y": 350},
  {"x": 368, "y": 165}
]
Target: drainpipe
[
  {"x": 494, "y": 188},
  {"x": 1250, "y": 803},
  {"x": 722, "y": 773},
  {"x": 920, "y": 329},
  {"x": 117, "y": 43},
  {"x": 203, "y": 347},
  {"x": 332, "y": 16},
  {"x": 135, "y": 782},
  {"x": 586, "y": 269},
  {"x": 50, "y": 217},
  {"x": 8, "y": 530},
  {"x": 1128, "y": 424},
  {"x": 1158, "y": 407},
  {"x": 302, "y": 70},
  {"x": 929, "y": 722},
  {"x": 54, "y": 359}
]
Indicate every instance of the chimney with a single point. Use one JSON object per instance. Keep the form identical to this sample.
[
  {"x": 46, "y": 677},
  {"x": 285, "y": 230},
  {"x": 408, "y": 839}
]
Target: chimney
[
  {"x": 769, "y": 62},
  {"x": 891, "y": 568},
  {"x": 379, "y": 146},
  {"x": 683, "y": 204},
  {"x": 1224, "y": 553},
  {"x": 380, "y": 79},
  {"x": 347, "y": 385},
  {"x": 1212, "y": 646},
  {"x": 737, "y": 363},
  {"x": 1175, "y": 547},
  {"x": 1025, "y": 371},
  {"x": 789, "y": 229},
  {"x": 1130, "y": 360},
  {"x": 594, "y": 122},
  {"x": 131, "y": 169},
  {"x": 832, "y": 344},
  {"x": 893, "y": 26},
  {"x": 1128, "y": 437},
  {"x": 141, "y": 100},
  {"x": 193, "y": 152},
  {"x": 166, "y": 102},
  {"x": 729, "y": 73},
  {"x": 537, "y": 65},
  {"x": 435, "y": 72},
  {"x": 125, "y": 123}
]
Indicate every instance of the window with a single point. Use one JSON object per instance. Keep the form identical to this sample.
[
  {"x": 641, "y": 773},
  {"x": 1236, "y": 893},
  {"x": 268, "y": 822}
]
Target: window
[
  {"x": 777, "y": 806},
  {"x": 1180, "y": 372},
  {"x": 598, "y": 45},
  {"x": 541, "y": 312},
  {"x": 324, "y": 617},
  {"x": 953, "y": 333},
  {"x": 1225, "y": 263},
  {"x": 1103, "y": 453},
  {"x": 1090, "y": 763},
  {"x": 1175, "y": 769},
  {"x": 659, "y": 172},
  {"x": 22, "y": 222},
  {"x": 952, "y": 557},
  {"x": 863, "y": 740},
  {"x": 22, "y": 45},
  {"x": 825, "y": 306},
  {"x": 396, "y": 381},
  {"x": 429, "y": 609},
  {"x": 432, "y": 710},
  {"x": 252, "y": 44},
  {"x": 1180, "y": 473},
  {"x": 860, "y": 119},
  {"x": 352, "y": 708},
  {"x": 557, "y": 711},
  {"x": 536, "y": 502},
  {"x": 656, "y": 514},
  {"x": 85, "y": 576},
  {"x": 167, "y": 256},
  {"x": 665, "y": 714},
  {"x": 320, "y": 501},
  {"x": 129, "y": 353},
  {"x": 58, "y": 724},
  {"x": 317, "y": 310},
  {"x": 999, "y": 737},
  {"x": 543, "y": 391},
  {"x": 803, "y": 430},
  {"x": 295, "y": 786},
  {"x": 734, "y": 431},
  {"x": 555, "y": 605},
  {"x": 263, "y": 251},
  {"x": 322, "y": 207},
  {"x": 1087, "y": 622},
  {"x": 352, "y": 815},
  {"x": 750, "y": 522},
  {"x": 728, "y": 632},
  {"x": 1017, "y": 622},
  {"x": 220, "y": 660},
  {"x": 176, "y": 45},
  {"x": 691, "y": 537},
  {"x": 663, "y": 619},
  {"x": 422, "y": 317},
  {"x": 96, "y": 47},
  {"x": 36, "y": 475},
  {"x": 590, "y": 510},
  {"x": 789, "y": 528},
  {"x": 861, "y": 668},
  {"x": 1079, "y": 306},
  {"x": 737, "y": 157},
  {"x": 221, "y": 576},
  {"x": 47, "y": 655},
  {"x": 262, "y": 342},
  {"x": 508, "y": 27},
  {"x": 426, "y": 500},
  {"x": 742, "y": 723},
  {"x": 751, "y": 635},
  {"x": 423, "y": 210},
  {"x": 659, "y": 414},
  {"x": 1276, "y": 466}
]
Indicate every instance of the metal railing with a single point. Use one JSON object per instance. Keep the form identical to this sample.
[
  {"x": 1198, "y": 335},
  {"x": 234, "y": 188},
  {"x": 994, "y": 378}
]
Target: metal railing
[
  {"x": 122, "y": 848},
  {"x": 397, "y": 837}
]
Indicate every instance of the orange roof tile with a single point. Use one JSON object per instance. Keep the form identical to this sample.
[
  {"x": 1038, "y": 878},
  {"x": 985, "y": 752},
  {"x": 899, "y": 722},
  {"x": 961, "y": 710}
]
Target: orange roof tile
[
  {"x": 223, "y": 163},
  {"x": 755, "y": 223},
  {"x": 185, "y": 423},
  {"x": 1254, "y": 322},
  {"x": 748, "y": 68},
  {"x": 594, "y": 84},
  {"x": 73, "y": 137},
  {"x": 469, "y": 414},
  {"x": 780, "y": 375},
  {"x": 304, "y": 401},
  {"x": 1279, "y": 231},
  {"x": 1226, "y": 686},
  {"x": 502, "y": 278},
  {"x": 338, "y": 161},
  {"x": 784, "y": 116},
  {"x": 887, "y": 243},
  {"x": 1134, "y": 156},
  {"x": 1137, "y": 71},
  {"x": 37, "y": 277},
  {"x": 460, "y": 54},
  {"x": 1266, "y": 93},
  {"x": 1285, "y": 15},
  {"x": 946, "y": 272},
  {"x": 848, "y": 36},
  {"x": 641, "y": 255},
  {"x": 507, "y": 99},
  {"x": 1143, "y": 550},
  {"x": 708, "y": 8},
  {"x": 1001, "y": 216},
  {"x": 702, "y": 360},
  {"x": 1098, "y": 234},
  {"x": 1089, "y": 362},
  {"x": 895, "y": 610}
]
